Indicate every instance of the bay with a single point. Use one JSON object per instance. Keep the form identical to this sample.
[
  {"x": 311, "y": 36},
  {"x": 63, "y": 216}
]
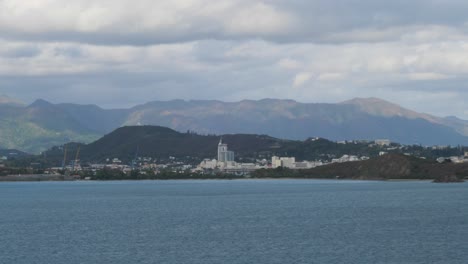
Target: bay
[{"x": 240, "y": 221}]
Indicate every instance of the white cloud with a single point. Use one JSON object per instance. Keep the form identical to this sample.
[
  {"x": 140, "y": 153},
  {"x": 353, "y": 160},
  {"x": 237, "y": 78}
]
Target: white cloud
[
  {"x": 301, "y": 78},
  {"x": 259, "y": 18},
  {"x": 72, "y": 58},
  {"x": 143, "y": 21}
]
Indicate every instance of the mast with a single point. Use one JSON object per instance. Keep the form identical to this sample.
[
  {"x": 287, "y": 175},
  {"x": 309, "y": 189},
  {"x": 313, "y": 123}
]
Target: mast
[
  {"x": 64, "y": 162},
  {"x": 76, "y": 157}
]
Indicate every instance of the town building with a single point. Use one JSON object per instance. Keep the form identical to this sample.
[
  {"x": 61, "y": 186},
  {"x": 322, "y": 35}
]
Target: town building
[
  {"x": 224, "y": 155},
  {"x": 286, "y": 162},
  {"x": 382, "y": 142},
  {"x": 225, "y": 163},
  {"x": 291, "y": 163}
]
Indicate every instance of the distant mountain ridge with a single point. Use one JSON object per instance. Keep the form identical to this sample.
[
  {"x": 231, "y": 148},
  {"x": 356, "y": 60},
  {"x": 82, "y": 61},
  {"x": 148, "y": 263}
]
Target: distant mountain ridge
[
  {"x": 36, "y": 127},
  {"x": 5, "y": 100},
  {"x": 379, "y": 107}
]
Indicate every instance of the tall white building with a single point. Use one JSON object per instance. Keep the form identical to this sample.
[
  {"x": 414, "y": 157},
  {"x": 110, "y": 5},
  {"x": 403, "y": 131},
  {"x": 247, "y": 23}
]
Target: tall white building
[{"x": 224, "y": 155}]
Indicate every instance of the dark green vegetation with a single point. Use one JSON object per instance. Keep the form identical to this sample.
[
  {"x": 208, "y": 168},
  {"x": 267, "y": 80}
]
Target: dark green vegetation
[
  {"x": 12, "y": 153},
  {"x": 34, "y": 177},
  {"x": 387, "y": 167},
  {"x": 161, "y": 143},
  {"x": 190, "y": 148},
  {"x": 16, "y": 171},
  {"x": 108, "y": 174},
  {"x": 41, "y": 125}
]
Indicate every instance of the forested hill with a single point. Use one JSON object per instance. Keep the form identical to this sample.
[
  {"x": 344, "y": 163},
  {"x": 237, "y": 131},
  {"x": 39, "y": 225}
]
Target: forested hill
[
  {"x": 160, "y": 142},
  {"x": 126, "y": 143}
]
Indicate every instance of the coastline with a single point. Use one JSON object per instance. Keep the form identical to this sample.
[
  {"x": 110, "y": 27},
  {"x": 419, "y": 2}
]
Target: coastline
[
  {"x": 35, "y": 178},
  {"x": 60, "y": 178}
]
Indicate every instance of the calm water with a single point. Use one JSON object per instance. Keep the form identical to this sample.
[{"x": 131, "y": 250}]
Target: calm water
[{"x": 267, "y": 221}]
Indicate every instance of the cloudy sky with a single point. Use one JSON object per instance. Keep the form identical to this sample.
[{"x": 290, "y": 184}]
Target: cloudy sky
[{"x": 119, "y": 53}]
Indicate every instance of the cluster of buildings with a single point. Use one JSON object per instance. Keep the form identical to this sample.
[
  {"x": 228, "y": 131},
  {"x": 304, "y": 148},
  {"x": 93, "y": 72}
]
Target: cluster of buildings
[
  {"x": 143, "y": 164},
  {"x": 377, "y": 142},
  {"x": 291, "y": 163},
  {"x": 226, "y": 163}
]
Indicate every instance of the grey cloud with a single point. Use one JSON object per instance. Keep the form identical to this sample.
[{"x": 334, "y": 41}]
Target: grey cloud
[
  {"x": 22, "y": 52},
  {"x": 409, "y": 52},
  {"x": 72, "y": 52},
  {"x": 335, "y": 21},
  {"x": 116, "y": 88}
]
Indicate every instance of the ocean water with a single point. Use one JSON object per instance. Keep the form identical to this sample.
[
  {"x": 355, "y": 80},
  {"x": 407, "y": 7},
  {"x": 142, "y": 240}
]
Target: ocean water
[{"x": 242, "y": 221}]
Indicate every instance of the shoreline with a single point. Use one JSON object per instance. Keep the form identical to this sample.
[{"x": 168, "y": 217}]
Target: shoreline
[{"x": 55, "y": 179}]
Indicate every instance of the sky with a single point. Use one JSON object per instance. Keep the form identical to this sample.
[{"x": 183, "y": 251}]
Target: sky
[{"x": 120, "y": 53}]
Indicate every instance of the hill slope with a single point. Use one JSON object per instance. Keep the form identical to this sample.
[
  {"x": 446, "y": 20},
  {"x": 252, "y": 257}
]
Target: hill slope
[
  {"x": 356, "y": 119},
  {"x": 161, "y": 143},
  {"x": 39, "y": 126},
  {"x": 391, "y": 166}
]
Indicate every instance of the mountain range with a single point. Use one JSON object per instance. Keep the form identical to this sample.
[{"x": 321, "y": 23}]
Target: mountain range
[{"x": 36, "y": 127}]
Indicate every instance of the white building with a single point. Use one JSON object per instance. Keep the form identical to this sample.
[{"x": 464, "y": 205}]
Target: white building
[
  {"x": 209, "y": 164},
  {"x": 287, "y": 162},
  {"x": 224, "y": 155},
  {"x": 225, "y": 159},
  {"x": 383, "y": 142},
  {"x": 291, "y": 163}
]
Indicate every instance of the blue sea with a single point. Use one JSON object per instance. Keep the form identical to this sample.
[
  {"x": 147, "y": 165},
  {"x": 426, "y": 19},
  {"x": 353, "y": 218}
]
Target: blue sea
[{"x": 240, "y": 221}]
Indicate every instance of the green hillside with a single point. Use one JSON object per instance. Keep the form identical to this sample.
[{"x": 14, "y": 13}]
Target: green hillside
[
  {"x": 37, "y": 127},
  {"x": 32, "y": 138}
]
